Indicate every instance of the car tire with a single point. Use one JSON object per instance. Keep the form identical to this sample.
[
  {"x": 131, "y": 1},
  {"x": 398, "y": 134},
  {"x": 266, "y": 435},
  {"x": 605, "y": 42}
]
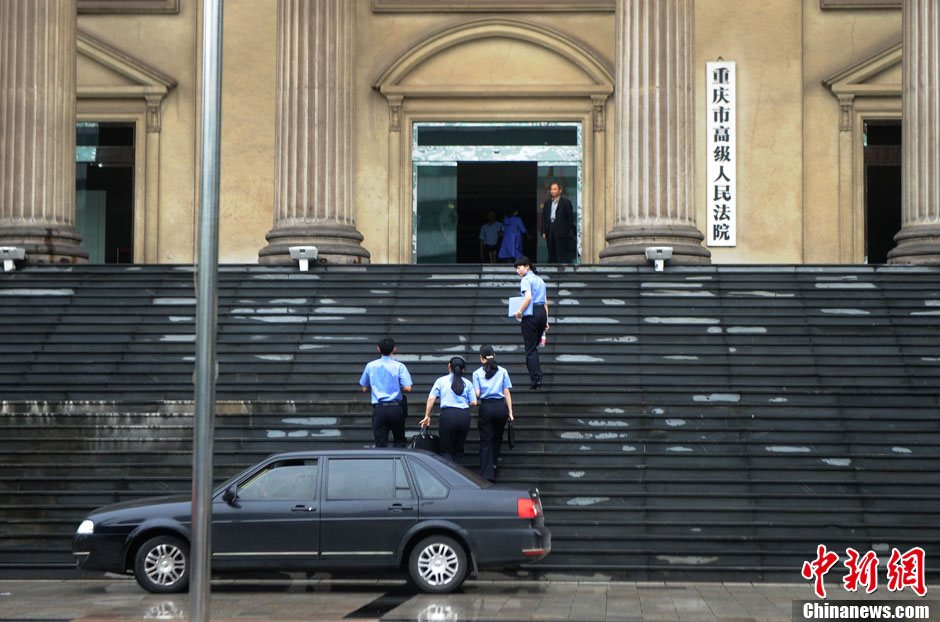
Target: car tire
[
  {"x": 437, "y": 565},
  {"x": 161, "y": 565}
]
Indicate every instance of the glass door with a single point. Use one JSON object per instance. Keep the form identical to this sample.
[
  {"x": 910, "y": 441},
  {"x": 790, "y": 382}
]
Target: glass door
[
  {"x": 446, "y": 207},
  {"x": 435, "y": 221},
  {"x": 569, "y": 176},
  {"x": 104, "y": 191}
]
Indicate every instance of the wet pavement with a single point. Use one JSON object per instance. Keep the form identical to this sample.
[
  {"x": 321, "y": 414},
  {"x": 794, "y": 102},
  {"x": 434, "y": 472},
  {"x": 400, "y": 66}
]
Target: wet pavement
[{"x": 480, "y": 601}]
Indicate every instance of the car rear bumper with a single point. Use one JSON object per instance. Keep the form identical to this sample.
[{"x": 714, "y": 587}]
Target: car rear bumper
[
  {"x": 510, "y": 547},
  {"x": 543, "y": 545}
]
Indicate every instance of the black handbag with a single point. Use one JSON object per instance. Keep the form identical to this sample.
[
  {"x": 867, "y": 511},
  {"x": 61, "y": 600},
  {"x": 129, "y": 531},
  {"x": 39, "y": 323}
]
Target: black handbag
[
  {"x": 511, "y": 436},
  {"x": 426, "y": 441}
]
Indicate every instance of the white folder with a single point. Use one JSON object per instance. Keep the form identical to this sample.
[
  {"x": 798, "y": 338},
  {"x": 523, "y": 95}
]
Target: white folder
[{"x": 514, "y": 303}]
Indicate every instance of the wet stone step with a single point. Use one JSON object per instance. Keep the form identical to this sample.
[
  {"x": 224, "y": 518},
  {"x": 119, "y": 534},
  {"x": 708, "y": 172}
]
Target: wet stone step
[{"x": 685, "y": 418}]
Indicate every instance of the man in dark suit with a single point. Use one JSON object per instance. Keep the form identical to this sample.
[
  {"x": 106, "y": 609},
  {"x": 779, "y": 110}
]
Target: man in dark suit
[{"x": 558, "y": 227}]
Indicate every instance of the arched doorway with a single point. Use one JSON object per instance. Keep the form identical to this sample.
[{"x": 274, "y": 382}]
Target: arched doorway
[{"x": 520, "y": 88}]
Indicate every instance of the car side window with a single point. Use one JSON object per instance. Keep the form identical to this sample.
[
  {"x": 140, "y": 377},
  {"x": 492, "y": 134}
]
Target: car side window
[
  {"x": 429, "y": 485},
  {"x": 287, "y": 479},
  {"x": 366, "y": 478},
  {"x": 402, "y": 488}
]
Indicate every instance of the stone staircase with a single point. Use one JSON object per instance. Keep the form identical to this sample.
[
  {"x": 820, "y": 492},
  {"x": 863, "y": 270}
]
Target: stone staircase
[{"x": 702, "y": 423}]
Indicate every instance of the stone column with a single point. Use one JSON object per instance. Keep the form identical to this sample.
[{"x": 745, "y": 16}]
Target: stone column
[
  {"x": 654, "y": 147},
  {"x": 314, "y": 203},
  {"x": 919, "y": 237},
  {"x": 37, "y": 129}
]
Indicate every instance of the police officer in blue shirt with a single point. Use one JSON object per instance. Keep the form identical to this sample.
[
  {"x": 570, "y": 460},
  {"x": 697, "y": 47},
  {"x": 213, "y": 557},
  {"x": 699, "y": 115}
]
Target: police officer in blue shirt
[
  {"x": 387, "y": 379},
  {"x": 456, "y": 398},
  {"x": 532, "y": 289},
  {"x": 491, "y": 384}
]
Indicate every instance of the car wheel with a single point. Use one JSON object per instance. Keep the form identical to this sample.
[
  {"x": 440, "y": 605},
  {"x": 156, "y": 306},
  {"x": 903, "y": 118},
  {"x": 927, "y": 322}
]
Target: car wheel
[
  {"x": 161, "y": 565},
  {"x": 437, "y": 565}
]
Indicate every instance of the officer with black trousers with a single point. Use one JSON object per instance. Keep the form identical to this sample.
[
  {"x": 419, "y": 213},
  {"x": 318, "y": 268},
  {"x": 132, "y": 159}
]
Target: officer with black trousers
[
  {"x": 388, "y": 379},
  {"x": 491, "y": 384},
  {"x": 558, "y": 226},
  {"x": 457, "y": 397},
  {"x": 532, "y": 290}
]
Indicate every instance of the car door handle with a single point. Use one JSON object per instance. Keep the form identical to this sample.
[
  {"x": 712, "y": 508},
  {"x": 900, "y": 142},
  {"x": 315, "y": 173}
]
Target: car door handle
[
  {"x": 304, "y": 508},
  {"x": 398, "y": 507}
]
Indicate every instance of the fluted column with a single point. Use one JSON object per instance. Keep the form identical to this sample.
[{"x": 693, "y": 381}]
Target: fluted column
[
  {"x": 314, "y": 156},
  {"x": 919, "y": 237},
  {"x": 37, "y": 129},
  {"x": 654, "y": 147}
]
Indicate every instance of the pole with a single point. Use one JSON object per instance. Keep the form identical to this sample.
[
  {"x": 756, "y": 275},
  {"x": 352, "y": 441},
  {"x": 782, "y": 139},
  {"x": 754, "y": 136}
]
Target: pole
[{"x": 206, "y": 310}]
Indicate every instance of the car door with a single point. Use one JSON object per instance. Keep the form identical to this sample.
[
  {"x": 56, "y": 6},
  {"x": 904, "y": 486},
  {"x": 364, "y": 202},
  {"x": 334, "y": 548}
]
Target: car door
[
  {"x": 368, "y": 505},
  {"x": 274, "y": 520}
]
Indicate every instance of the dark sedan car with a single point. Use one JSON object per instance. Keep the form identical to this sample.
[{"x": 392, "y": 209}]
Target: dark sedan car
[{"x": 330, "y": 510}]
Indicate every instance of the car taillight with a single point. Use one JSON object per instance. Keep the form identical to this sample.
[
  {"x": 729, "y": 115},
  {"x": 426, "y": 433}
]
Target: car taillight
[{"x": 529, "y": 508}]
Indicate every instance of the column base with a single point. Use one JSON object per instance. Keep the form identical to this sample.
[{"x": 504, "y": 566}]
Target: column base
[
  {"x": 335, "y": 242},
  {"x": 627, "y": 244},
  {"x": 917, "y": 244},
  {"x": 55, "y": 244}
]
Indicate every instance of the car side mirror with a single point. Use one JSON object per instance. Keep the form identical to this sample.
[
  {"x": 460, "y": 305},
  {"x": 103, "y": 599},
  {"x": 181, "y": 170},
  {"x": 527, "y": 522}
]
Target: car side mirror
[{"x": 230, "y": 494}]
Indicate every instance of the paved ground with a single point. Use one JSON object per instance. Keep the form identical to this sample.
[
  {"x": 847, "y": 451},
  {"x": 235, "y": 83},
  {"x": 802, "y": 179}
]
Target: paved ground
[{"x": 503, "y": 601}]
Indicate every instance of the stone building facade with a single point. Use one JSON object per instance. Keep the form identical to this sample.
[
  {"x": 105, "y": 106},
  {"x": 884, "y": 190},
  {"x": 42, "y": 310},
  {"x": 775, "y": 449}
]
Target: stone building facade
[{"x": 385, "y": 130}]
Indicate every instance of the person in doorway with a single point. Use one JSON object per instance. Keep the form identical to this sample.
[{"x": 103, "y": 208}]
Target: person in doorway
[
  {"x": 491, "y": 384},
  {"x": 456, "y": 398},
  {"x": 513, "y": 231},
  {"x": 558, "y": 226},
  {"x": 388, "y": 380},
  {"x": 532, "y": 290},
  {"x": 489, "y": 238}
]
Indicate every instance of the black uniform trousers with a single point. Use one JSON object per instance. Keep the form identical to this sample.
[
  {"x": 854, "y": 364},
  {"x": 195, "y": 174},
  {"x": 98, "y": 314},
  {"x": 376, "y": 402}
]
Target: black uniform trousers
[
  {"x": 494, "y": 413},
  {"x": 455, "y": 425},
  {"x": 388, "y": 416},
  {"x": 532, "y": 328},
  {"x": 559, "y": 246}
]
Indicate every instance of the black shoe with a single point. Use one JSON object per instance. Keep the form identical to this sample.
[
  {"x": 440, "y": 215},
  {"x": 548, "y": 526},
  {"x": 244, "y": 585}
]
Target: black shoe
[{"x": 536, "y": 383}]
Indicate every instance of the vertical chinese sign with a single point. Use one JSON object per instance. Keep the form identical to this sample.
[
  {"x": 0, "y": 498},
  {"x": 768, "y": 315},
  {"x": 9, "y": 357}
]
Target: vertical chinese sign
[{"x": 722, "y": 157}]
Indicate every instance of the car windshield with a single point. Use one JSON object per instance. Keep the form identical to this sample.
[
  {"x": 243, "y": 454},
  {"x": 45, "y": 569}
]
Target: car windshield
[{"x": 232, "y": 480}]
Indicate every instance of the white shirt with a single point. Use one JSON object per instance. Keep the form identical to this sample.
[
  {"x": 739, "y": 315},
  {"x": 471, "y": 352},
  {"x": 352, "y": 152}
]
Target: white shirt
[{"x": 554, "y": 207}]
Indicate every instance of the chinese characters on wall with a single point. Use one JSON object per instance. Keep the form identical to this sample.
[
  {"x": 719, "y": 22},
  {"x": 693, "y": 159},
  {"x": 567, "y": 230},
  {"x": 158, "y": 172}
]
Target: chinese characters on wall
[{"x": 721, "y": 170}]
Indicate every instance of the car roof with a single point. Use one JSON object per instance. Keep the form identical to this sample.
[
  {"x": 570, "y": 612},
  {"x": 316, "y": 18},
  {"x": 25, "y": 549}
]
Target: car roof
[{"x": 370, "y": 451}]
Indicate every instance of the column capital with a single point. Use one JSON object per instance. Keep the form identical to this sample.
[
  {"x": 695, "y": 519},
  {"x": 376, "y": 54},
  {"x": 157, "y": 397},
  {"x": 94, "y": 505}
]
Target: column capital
[
  {"x": 394, "y": 112},
  {"x": 846, "y": 106},
  {"x": 154, "y": 114},
  {"x": 599, "y": 105}
]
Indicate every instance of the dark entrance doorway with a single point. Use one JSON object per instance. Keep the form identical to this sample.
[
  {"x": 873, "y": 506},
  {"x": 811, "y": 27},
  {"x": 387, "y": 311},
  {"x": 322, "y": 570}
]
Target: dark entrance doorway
[
  {"x": 104, "y": 191},
  {"x": 882, "y": 188},
  {"x": 496, "y": 186}
]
